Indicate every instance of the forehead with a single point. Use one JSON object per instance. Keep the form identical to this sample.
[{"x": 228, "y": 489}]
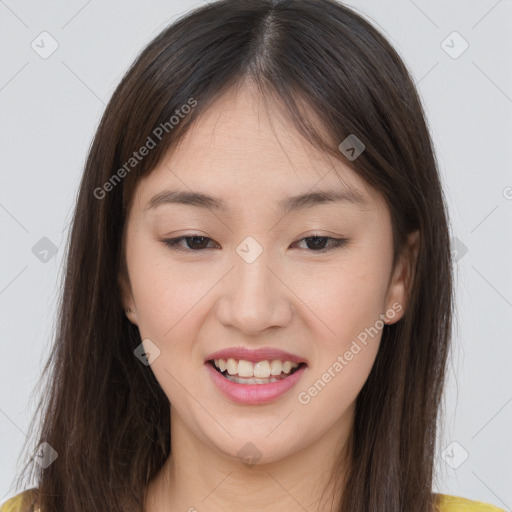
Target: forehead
[
  {"x": 240, "y": 150},
  {"x": 242, "y": 127}
]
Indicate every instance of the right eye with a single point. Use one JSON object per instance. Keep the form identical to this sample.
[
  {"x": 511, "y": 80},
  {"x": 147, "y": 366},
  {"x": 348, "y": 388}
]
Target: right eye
[{"x": 194, "y": 243}]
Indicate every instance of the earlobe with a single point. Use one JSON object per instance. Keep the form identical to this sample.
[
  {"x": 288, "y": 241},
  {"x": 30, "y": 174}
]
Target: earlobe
[
  {"x": 131, "y": 316},
  {"x": 401, "y": 284},
  {"x": 127, "y": 300}
]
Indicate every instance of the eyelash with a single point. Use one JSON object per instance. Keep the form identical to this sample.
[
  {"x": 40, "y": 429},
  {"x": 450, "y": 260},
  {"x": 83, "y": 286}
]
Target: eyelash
[{"x": 173, "y": 243}]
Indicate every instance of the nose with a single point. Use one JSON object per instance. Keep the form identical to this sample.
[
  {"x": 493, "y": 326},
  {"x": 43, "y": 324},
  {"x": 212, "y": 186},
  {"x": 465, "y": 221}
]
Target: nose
[{"x": 255, "y": 297}]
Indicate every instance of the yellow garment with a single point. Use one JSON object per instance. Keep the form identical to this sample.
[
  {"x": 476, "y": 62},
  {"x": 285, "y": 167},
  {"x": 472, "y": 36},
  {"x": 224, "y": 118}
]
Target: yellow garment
[
  {"x": 448, "y": 503},
  {"x": 24, "y": 502}
]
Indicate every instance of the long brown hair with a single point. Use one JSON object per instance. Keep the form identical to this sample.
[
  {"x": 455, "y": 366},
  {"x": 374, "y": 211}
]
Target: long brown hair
[{"x": 103, "y": 411}]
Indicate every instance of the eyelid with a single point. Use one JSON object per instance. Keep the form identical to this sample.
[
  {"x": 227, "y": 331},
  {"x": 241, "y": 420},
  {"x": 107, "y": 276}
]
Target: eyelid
[
  {"x": 173, "y": 243},
  {"x": 336, "y": 243}
]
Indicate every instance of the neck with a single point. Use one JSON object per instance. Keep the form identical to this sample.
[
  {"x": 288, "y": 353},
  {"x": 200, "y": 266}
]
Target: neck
[{"x": 199, "y": 477}]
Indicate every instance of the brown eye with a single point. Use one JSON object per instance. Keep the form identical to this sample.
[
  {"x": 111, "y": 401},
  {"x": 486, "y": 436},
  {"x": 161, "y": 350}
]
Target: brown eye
[
  {"x": 194, "y": 243},
  {"x": 318, "y": 243},
  {"x": 198, "y": 243}
]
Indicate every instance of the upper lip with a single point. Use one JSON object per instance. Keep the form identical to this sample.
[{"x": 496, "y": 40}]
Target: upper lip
[{"x": 254, "y": 355}]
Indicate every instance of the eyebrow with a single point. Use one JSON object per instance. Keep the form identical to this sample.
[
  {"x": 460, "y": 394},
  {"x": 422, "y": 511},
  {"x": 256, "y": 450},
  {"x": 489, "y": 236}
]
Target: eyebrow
[{"x": 287, "y": 205}]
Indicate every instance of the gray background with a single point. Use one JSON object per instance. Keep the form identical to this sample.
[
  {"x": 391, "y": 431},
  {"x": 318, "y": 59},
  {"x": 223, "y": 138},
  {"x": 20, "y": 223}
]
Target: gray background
[{"x": 49, "y": 110}]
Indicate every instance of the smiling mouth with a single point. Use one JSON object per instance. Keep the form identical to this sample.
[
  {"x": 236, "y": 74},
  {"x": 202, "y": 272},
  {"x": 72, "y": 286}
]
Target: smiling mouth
[{"x": 285, "y": 372}]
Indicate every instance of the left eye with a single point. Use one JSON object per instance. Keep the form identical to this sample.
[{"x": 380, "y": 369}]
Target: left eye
[
  {"x": 197, "y": 243},
  {"x": 318, "y": 243}
]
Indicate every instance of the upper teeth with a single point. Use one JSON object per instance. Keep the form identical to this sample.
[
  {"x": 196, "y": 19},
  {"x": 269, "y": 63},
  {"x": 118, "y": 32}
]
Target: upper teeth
[{"x": 261, "y": 369}]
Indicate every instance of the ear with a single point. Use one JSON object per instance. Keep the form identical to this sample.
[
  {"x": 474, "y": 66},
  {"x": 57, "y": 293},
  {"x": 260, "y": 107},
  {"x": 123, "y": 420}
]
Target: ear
[
  {"x": 400, "y": 284},
  {"x": 127, "y": 297}
]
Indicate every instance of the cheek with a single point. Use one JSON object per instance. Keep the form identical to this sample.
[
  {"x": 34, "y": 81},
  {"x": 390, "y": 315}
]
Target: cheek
[
  {"x": 329, "y": 393},
  {"x": 349, "y": 301},
  {"x": 344, "y": 297},
  {"x": 168, "y": 302},
  {"x": 165, "y": 294}
]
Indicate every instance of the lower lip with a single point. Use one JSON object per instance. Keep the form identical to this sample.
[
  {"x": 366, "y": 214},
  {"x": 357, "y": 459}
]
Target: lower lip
[{"x": 253, "y": 394}]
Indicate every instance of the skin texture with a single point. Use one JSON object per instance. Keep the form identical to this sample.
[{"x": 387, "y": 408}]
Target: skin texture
[{"x": 309, "y": 303}]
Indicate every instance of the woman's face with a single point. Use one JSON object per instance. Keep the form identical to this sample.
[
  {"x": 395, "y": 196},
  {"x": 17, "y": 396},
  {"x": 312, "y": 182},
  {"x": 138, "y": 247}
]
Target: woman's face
[{"x": 257, "y": 282}]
